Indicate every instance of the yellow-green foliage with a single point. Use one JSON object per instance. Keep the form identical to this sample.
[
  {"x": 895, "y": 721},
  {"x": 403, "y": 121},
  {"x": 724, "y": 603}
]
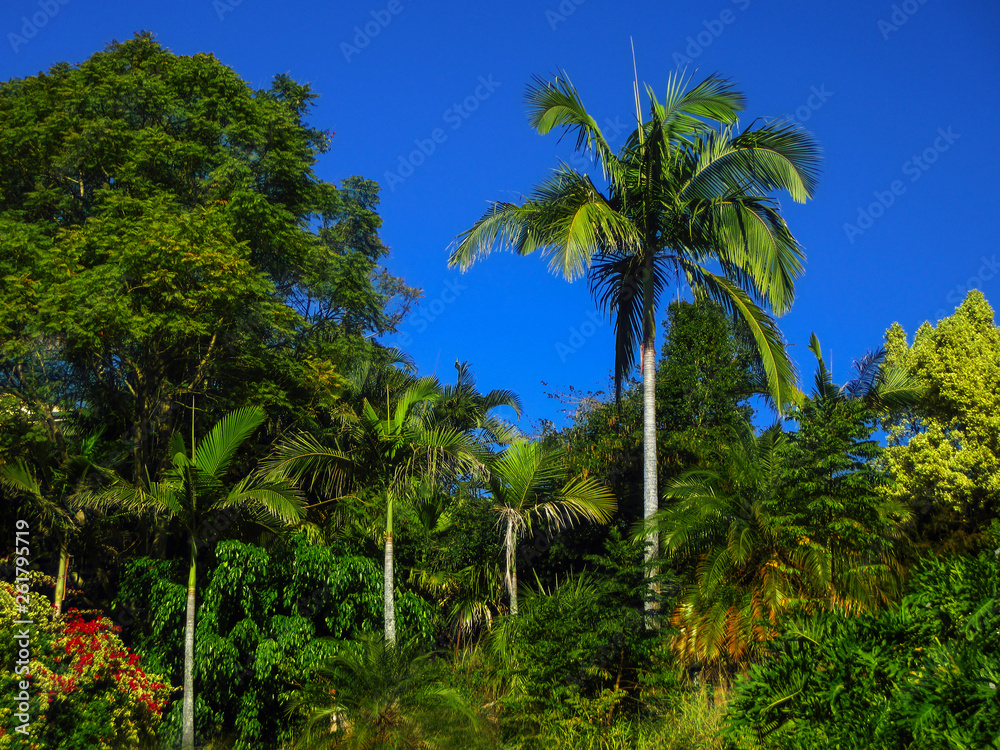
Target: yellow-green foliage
[{"x": 951, "y": 460}]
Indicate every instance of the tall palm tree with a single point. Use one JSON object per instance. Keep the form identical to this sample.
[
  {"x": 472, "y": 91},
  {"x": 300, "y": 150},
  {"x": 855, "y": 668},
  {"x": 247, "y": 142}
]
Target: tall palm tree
[
  {"x": 192, "y": 491},
  {"x": 528, "y": 483},
  {"x": 386, "y": 455},
  {"x": 686, "y": 190}
]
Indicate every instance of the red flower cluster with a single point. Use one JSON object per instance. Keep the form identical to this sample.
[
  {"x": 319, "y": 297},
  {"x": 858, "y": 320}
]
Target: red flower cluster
[{"x": 89, "y": 647}]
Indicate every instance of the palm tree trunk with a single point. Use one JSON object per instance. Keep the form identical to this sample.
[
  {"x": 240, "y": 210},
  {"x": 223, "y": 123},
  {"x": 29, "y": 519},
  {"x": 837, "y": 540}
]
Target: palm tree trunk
[
  {"x": 513, "y": 592},
  {"x": 390, "y": 601},
  {"x": 61, "y": 577},
  {"x": 510, "y": 544},
  {"x": 187, "y": 716},
  {"x": 650, "y": 499}
]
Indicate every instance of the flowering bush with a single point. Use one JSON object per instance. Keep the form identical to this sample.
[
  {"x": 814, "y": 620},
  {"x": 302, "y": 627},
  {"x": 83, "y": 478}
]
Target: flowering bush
[{"x": 87, "y": 690}]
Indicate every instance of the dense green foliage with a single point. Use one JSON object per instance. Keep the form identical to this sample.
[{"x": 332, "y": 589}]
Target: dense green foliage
[
  {"x": 945, "y": 452},
  {"x": 263, "y": 619},
  {"x": 209, "y": 444},
  {"x": 922, "y": 676}
]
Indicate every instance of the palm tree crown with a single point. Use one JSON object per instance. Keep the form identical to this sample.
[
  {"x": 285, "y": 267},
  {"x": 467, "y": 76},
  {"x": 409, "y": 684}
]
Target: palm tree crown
[{"x": 528, "y": 482}]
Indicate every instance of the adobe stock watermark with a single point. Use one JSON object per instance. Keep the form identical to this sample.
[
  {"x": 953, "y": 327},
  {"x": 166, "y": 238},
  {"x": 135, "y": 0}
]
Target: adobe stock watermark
[
  {"x": 985, "y": 273},
  {"x": 562, "y": 12},
  {"x": 30, "y": 26},
  {"x": 612, "y": 129},
  {"x": 901, "y": 13},
  {"x": 914, "y": 168},
  {"x": 814, "y": 102},
  {"x": 224, "y": 7},
  {"x": 455, "y": 116},
  {"x": 714, "y": 28},
  {"x": 425, "y": 316},
  {"x": 363, "y": 34},
  {"x": 956, "y": 295},
  {"x": 22, "y": 636},
  {"x": 578, "y": 336}
]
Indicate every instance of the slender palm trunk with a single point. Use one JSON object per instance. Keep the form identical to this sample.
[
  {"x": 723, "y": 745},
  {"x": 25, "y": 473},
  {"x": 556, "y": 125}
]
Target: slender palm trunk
[
  {"x": 513, "y": 592},
  {"x": 61, "y": 577},
  {"x": 650, "y": 498},
  {"x": 510, "y": 543},
  {"x": 390, "y": 601},
  {"x": 187, "y": 716}
]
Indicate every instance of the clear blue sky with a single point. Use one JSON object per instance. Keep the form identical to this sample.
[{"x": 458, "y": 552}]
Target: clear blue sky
[{"x": 902, "y": 97}]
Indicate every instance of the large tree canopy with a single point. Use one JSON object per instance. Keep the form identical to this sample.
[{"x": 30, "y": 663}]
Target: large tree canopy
[{"x": 163, "y": 238}]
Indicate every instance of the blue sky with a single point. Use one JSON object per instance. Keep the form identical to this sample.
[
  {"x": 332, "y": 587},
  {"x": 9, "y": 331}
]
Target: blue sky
[{"x": 427, "y": 99}]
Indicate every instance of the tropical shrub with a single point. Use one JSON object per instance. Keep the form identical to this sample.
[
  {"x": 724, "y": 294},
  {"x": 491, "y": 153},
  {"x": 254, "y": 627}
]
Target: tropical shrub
[
  {"x": 88, "y": 690},
  {"x": 377, "y": 694},
  {"x": 923, "y": 677},
  {"x": 570, "y": 654},
  {"x": 267, "y": 620}
]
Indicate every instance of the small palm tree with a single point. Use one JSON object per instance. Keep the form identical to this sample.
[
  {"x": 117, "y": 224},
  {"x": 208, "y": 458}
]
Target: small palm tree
[
  {"x": 528, "y": 483},
  {"x": 193, "y": 489},
  {"x": 57, "y": 494},
  {"x": 387, "y": 456},
  {"x": 386, "y": 695}
]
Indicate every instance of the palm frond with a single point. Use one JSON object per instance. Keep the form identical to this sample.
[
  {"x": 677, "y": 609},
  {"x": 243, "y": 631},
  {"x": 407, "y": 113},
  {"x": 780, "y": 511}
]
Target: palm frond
[
  {"x": 556, "y": 103},
  {"x": 216, "y": 450},
  {"x": 715, "y": 98},
  {"x": 303, "y": 458},
  {"x": 770, "y": 343},
  {"x": 778, "y": 156},
  {"x": 271, "y": 493}
]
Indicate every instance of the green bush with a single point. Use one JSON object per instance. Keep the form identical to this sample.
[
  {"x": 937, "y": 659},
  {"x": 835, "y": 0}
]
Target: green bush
[
  {"x": 87, "y": 690},
  {"x": 923, "y": 677},
  {"x": 266, "y": 620}
]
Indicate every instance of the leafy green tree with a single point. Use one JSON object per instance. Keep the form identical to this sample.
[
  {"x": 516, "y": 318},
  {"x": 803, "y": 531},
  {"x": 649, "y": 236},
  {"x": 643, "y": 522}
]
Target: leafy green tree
[
  {"x": 381, "y": 458},
  {"x": 191, "y": 492},
  {"x": 163, "y": 236},
  {"x": 706, "y": 373},
  {"x": 945, "y": 453},
  {"x": 685, "y": 189},
  {"x": 268, "y": 619},
  {"x": 833, "y": 495}
]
